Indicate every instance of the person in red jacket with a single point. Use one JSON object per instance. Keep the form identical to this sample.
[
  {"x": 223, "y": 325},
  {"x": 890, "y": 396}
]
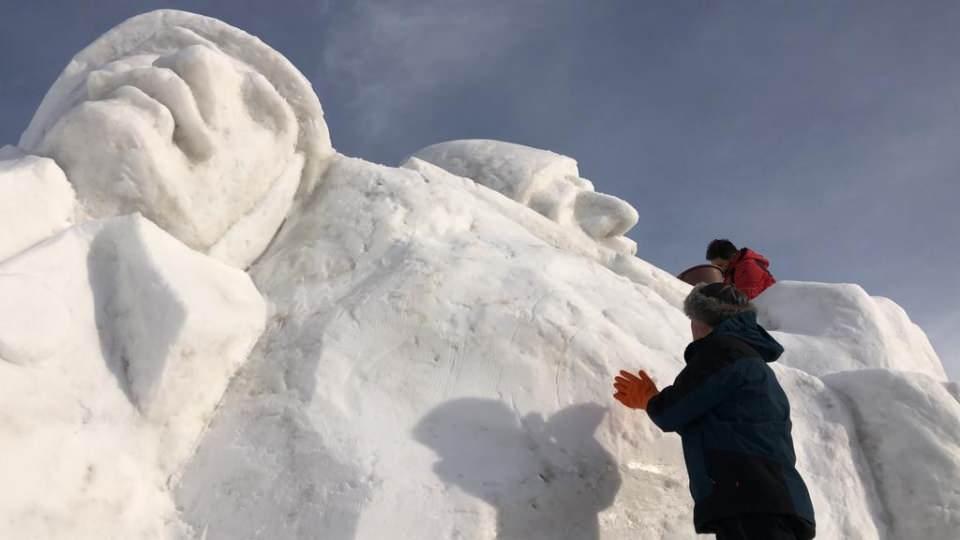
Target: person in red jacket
[{"x": 744, "y": 268}]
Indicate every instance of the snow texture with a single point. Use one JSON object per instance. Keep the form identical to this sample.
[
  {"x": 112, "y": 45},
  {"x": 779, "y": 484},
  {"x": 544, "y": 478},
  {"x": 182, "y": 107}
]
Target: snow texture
[
  {"x": 406, "y": 310},
  {"x": 831, "y": 460},
  {"x": 828, "y": 327},
  {"x": 188, "y": 121},
  {"x": 416, "y": 352},
  {"x": 910, "y": 432},
  {"x": 36, "y": 201},
  {"x": 116, "y": 343},
  {"x": 547, "y": 182}
]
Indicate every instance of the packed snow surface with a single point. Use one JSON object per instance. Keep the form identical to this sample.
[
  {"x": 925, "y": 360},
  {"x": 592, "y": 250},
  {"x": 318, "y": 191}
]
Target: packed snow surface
[
  {"x": 36, "y": 201},
  {"x": 827, "y": 327},
  {"x": 116, "y": 343},
  {"x": 417, "y": 352}
]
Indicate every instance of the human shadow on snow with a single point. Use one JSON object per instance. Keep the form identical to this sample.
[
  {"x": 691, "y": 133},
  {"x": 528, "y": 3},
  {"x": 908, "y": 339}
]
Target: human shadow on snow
[{"x": 546, "y": 479}]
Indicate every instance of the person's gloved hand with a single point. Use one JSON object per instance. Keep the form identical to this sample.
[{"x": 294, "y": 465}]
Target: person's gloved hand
[{"x": 633, "y": 391}]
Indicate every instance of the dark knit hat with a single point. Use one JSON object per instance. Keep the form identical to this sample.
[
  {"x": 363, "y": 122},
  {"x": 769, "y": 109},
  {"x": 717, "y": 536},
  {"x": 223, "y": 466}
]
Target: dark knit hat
[{"x": 716, "y": 302}]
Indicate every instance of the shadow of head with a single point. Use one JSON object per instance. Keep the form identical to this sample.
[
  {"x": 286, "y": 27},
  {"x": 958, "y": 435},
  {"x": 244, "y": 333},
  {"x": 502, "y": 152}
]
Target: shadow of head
[{"x": 546, "y": 478}]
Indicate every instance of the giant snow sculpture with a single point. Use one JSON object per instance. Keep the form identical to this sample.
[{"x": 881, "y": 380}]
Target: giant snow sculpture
[{"x": 436, "y": 358}]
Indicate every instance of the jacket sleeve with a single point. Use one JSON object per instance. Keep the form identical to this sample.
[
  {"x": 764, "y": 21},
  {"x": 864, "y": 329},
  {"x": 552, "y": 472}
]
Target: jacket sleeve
[
  {"x": 750, "y": 278},
  {"x": 697, "y": 390}
]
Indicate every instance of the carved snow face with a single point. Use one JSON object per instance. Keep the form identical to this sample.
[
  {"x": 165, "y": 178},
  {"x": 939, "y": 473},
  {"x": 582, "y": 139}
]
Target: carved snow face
[
  {"x": 192, "y": 139},
  {"x": 571, "y": 200},
  {"x": 546, "y": 182}
]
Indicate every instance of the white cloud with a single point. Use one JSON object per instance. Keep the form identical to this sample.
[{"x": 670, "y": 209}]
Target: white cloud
[{"x": 389, "y": 54}]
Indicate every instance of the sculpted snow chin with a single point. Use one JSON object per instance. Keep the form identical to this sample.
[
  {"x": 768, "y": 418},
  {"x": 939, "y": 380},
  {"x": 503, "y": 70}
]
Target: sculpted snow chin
[{"x": 193, "y": 123}]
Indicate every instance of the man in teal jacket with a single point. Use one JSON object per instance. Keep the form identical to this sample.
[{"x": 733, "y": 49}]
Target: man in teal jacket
[{"x": 734, "y": 421}]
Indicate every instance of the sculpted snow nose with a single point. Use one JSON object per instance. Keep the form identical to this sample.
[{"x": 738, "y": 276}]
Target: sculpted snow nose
[{"x": 603, "y": 216}]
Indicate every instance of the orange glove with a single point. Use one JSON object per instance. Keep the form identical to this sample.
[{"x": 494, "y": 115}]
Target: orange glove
[{"x": 634, "y": 392}]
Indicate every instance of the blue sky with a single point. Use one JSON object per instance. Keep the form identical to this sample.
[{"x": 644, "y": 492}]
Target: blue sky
[{"x": 825, "y": 135}]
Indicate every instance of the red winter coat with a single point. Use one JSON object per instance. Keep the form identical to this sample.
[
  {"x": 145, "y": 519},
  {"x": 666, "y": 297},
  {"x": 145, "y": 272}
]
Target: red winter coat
[{"x": 748, "y": 271}]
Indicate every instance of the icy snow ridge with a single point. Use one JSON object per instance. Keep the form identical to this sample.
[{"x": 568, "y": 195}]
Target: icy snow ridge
[{"x": 436, "y": 357}]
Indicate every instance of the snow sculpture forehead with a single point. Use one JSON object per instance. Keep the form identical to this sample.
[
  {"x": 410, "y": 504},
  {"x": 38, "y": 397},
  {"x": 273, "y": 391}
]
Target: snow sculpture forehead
[
  {"x": 547, "y": 182},
  {"x": 192, "y": 122}
]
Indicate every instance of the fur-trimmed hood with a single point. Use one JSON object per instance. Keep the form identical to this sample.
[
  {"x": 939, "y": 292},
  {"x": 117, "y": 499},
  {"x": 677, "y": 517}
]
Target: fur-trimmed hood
[
  {"x": 729, "y": 312},
  {"x": 714, "y": 303}
]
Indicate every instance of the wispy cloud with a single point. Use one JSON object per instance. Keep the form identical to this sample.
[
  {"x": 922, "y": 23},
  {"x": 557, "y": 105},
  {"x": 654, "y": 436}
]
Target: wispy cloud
[{"x": 388, "y": 54}]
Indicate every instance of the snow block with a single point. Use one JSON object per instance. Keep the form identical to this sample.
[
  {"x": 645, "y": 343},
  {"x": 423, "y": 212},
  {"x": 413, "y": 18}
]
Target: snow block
[
  {"x": 832, "y": 327},
  {"x": 831, "y": 460},
  {"x": 909, "y": 429},
  {"x": 179, "y": 322},
  {"x": 173, "y": 325},
  {"x": 36, "y": 201},
  {"x": 116, "y": 344}
]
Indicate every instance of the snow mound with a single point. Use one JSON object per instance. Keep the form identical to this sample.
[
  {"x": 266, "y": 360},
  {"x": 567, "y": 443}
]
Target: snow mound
[
  {"x": 397, "y": 295},
  {"x": 197, "y": 125},
  {"x": 116, "y": 344},
  {"x": 909, "y": 427},
  {"x": 831, "y": 327},
  {"x": 431, "y": 337},
  {"x": 548, "y": 183},
  {"x": 36, "y": 201},
  {"x": 833, "y": 464}
]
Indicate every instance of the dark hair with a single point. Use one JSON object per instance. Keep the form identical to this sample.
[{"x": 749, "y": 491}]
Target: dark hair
[{"x": 721, "y": 248}]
